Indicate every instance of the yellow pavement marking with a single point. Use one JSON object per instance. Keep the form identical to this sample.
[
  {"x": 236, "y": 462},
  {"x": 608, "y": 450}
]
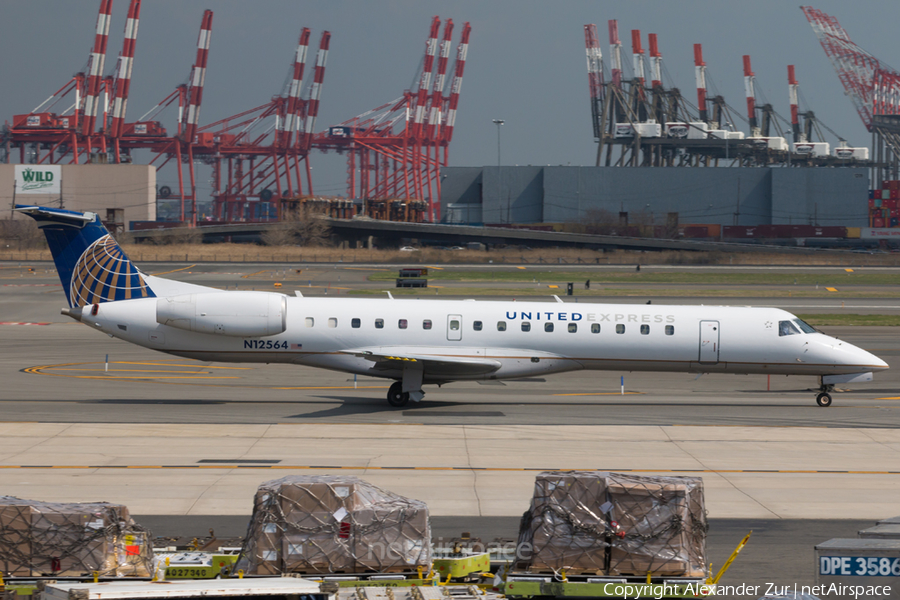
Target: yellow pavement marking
[
  {"x": 831, "y": 289},
  {"x": 520, "y": 268},
  {"x": 452, "y": 468},
  {"x": 437, "y": 268},
  {"x": 165, "y": 364},
  {"x": 173, "y": 270},
  {"x": 135, "y": 371},
  {"x": 335, "y": 387},
  {"x": 602, "y": 394},
  {"x": 257, "y": 273},
  {"x": 553, "y": 286},
  {"x": 849, "y": 270}
]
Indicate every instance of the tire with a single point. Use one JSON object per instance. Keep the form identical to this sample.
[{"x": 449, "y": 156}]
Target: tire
[
  {"x": 396, "y": 397},
  {"x": 823, "y": 399},
  {"x": 164, "y": 192}
]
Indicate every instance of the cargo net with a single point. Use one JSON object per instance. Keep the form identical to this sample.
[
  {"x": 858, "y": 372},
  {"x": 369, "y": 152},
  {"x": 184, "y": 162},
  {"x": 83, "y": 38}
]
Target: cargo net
[
  {"x": 334, "y": 524},
  {"x": 592, "y": 522},
  {"x": 70, "y": 539}
]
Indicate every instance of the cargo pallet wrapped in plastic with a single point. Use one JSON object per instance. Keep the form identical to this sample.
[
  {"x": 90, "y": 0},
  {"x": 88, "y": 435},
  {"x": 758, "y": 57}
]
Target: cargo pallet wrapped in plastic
[
  {"x": 334, "y": 524},
  {"x": 598, "y": 523},
  {"x": 71, "y": 539}
]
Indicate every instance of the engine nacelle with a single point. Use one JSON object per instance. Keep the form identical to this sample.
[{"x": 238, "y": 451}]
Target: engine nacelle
[{"x": 238, "y": 314}]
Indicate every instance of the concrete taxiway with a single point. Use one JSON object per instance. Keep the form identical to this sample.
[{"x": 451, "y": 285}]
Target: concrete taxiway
[
  {"x": 170, "y": 436},
  {"x": 185, "y": 444}
]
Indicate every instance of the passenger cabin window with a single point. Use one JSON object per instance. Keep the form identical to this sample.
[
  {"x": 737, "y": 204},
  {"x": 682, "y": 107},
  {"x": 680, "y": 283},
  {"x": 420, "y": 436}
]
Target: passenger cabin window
[
  {"x": 310, "y": 321},
  {"x": 332, "y": 322},
  {"x": 548, "y": 327},
  {"x": 501, "y": 325},
  {"x": 402, "y": 323},
  {"x": 426, "y": 324},
  {"x": 595, "y": 328},
  {"x": 620, "y": 328},
  {"x": 476, "y": 325},
  {"x": 573, "y": 327},
  {"x": 355, "y": 323},
  {"x": 670, "y": 330},
  {"x": 379, "y": 323},
  {"x": 645, "y": 329},
  {"x": 804, "y": 326},
  {"x": 787, "y": 328},
  {"x": 526, "y": 325}
]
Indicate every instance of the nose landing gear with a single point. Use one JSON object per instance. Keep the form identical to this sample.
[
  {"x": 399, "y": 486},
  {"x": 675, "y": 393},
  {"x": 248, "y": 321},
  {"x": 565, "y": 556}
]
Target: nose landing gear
[{"x": 824, "y": 397}]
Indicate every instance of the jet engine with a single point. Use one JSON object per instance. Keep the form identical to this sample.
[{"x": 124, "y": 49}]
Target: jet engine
[{"x": 241, "y": 314}]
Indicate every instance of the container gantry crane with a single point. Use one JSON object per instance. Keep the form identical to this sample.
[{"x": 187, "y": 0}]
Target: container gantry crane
[
  {"x": 873, "y": 87},
  {"x": 395, "y": 151}
]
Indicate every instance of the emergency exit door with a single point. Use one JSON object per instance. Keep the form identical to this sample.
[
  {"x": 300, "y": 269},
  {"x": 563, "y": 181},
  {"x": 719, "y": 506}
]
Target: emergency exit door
[
  {"x": 709, "y": 342},
  {"x": 454, "y": 328}
]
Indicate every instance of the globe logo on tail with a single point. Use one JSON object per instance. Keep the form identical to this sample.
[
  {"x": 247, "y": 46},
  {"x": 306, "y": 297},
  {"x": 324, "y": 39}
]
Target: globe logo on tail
[{"x": 104, "y": 274}]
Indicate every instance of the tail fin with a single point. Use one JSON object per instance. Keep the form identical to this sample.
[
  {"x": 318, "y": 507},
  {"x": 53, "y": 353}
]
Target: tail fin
[{"x": 92, "y": 267}]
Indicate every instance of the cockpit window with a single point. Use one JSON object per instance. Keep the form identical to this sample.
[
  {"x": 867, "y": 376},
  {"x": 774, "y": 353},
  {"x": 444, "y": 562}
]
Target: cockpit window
[
  {"x": 804, "y": 326},
  {"x": 787, "y": 328}
]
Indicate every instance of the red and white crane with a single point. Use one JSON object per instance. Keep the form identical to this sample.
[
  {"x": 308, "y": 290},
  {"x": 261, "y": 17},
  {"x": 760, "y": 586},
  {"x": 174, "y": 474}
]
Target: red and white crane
[
  {"x": 293, "y": 110},
  {"x": 595, "y": 76},
  {"x": 793, "y": 86},
  {"x": 198, "y": 77},
  {"x": 857, "y": 69},
  {"x": 95, "y": 70},
  {"x": 425, "y": 79},
  {"x": 655, "y": 63},
  {"x": 700, "y": 78},
  {"x": 615, "y": 54},
  {"x": 749, "y": 92},
  {"x": 637, "y": 53},
  {"x": 122, "y": 83},
  {"x": 315, "y": 91},
  {"x": 455, "y": 88},
  {"x": 395, "y": 151}
]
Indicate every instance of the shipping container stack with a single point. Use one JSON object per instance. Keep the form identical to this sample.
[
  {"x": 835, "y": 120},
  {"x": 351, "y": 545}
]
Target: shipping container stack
[{"x": 884, "y": 205}]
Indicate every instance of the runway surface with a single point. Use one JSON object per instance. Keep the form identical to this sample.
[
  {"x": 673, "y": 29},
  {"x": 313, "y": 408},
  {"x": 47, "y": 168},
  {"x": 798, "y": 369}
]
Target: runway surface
[{"x": 187, "y": 440}]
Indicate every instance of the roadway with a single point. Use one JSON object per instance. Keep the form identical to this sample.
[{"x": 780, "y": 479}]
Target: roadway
[{"x": 185, "y": 441}]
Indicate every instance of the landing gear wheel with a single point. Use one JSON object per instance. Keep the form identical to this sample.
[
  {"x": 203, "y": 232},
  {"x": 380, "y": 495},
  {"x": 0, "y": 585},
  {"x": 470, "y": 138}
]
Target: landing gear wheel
[
  {"x": 823, "y": 399},
  {"x": 396, "y": 397}
]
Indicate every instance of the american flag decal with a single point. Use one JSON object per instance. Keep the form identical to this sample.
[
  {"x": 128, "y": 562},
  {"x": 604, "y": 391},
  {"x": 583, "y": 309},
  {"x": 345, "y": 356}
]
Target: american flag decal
[{"x": 296, "y": 346}]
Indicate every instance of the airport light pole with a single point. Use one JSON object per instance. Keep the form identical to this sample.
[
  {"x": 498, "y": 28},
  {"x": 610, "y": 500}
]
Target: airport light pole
[{"x": 498, "y": 123}]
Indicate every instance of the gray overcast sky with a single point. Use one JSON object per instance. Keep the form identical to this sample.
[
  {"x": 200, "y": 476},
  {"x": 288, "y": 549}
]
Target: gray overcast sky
[{"x": 526, "y": 60}]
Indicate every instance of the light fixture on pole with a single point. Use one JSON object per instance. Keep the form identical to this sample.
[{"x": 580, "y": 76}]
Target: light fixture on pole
[{"x": 498, "y": 123}]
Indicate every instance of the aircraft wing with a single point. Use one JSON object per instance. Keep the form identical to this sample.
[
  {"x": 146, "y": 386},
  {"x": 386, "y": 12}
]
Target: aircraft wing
[{"x": 434, "y": 365}]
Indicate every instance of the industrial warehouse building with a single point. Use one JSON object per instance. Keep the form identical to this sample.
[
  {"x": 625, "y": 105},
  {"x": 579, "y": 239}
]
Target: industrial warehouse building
[
  {"x": 723, "y": 196},
  {"x": 90, "y": 187}
]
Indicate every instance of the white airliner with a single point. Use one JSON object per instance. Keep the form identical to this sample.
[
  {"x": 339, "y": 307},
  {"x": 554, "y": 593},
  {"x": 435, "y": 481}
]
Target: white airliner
[{"x": 419, "y": 342}]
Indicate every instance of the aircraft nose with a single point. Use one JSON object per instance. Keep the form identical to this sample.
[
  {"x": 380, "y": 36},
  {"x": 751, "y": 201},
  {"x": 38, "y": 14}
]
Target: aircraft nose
[
  {"x": 877, "y": 362},
  {"x": 866, "y": 359}
]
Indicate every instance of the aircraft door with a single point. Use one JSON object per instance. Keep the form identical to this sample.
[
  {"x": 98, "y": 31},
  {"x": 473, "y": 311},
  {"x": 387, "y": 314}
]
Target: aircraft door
[
  {"x": 454, "y": 328},
  {"x": 709, "y": 342}
]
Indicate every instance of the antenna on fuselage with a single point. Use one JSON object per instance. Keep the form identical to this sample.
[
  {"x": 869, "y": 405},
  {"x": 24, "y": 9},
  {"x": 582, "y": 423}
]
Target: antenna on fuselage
[
  {"x": 558, "y": 299},
  {"x": 389, "y": 295}
]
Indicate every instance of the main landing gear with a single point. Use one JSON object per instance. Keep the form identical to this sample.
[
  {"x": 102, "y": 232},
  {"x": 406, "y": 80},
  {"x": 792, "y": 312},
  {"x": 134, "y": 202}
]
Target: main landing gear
[
  {"x": 396, "y": 397},
  {"x": 408, "y": 388},
  {"x": 824, "y": 397}
]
